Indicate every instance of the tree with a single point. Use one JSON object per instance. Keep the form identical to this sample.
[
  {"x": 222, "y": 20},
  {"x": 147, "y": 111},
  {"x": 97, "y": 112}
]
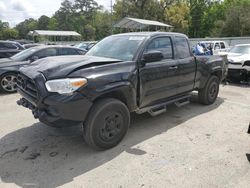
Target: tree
[
  {"x": 63, "y": 16},
  {"x": 43, "y": 22},
  {"x": 4, "y": 25},
  {"x": 197, "y": 10},
  {"x": 178, "y": 16},
  {"x": 52, "y": 25},
  {"x": 102, "y": 24},
  {"x": 9, "y": 34},
  {"x": 24, "y": 27}
]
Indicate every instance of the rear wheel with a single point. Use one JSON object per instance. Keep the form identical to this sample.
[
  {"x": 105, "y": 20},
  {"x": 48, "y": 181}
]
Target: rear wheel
[
  {"x": 107, "y": 124},
  {"x": 209, "y": 93},
  {"x": 8, "y": 83}
]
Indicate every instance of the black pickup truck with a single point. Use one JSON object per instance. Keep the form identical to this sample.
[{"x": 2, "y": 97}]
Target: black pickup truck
[{"x": 132, "y": 72}]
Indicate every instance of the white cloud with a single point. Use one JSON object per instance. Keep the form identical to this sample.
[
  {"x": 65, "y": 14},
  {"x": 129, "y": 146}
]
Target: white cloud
[
  {"x": 2, "y": 9},
  {"x": 15, "y": 11},
  {"x": 21, "y": 5}
]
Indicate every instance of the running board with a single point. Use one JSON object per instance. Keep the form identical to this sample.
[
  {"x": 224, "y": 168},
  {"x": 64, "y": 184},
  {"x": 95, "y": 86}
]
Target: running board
[
  {"x": 162, "y": 108},
  {"x": 157, "y": 111},
  {"x": 182, "y": 102}
]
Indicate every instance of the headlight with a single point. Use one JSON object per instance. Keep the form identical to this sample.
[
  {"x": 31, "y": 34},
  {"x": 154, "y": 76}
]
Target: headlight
[{"x": 65, "y": 86}]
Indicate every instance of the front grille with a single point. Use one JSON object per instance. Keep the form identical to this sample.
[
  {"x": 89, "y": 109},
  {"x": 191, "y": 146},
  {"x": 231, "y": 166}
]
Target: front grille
[{"x": 27, "y": 85}]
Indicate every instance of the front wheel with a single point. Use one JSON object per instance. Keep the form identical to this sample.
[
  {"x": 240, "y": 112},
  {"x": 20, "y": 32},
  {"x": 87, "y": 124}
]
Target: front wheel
[
  {"x": 107, "y": 124},
  {"x": 8, "y": 83},
  {"x": 209, "y": 93}
]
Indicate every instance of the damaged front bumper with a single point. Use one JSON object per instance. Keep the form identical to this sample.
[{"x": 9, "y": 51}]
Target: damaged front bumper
[
  {"x": 59, "y": 111},
  {"x": 239, "y": 73},
  {"x": 52, "y": 109}
]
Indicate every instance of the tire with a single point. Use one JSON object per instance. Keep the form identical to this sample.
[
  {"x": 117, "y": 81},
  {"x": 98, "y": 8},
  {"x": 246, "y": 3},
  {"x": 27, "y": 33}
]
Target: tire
[
  {"x": 106, "y": 124},
  {"x": 209, "y": 93},
  {"x": 8, "y": 83}
]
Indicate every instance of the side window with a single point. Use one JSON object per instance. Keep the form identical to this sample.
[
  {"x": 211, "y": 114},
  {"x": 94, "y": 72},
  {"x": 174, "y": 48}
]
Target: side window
[
  {"x": 182, "y": 46},
  {"x": 46, "y": 53},
  {"x": 216, "y": 46},
  {"x": 67, "y": 51},
  {"x": 222, "y": 45},
  {"x": 162, "y": 44},
  {"x": 10, "y": 46}
]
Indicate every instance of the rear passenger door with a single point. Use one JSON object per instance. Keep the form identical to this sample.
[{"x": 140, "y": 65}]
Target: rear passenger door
[
  {"x": 187, "y": 65},
  {"x": 159, "y": 80}
]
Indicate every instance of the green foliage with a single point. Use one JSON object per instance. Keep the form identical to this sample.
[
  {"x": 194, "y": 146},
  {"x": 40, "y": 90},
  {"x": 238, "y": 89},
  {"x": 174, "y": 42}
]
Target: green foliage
[
  {"x": 6, "y": 32},
  {"x": 9, "y": 34},
  {"x": 43, "y": 22},
  {"x": 197, "y": 18},
  {"x": 27, "y": 25},
  {"x": 53, "y": 24},
  {"x": 178, "y": 16}
]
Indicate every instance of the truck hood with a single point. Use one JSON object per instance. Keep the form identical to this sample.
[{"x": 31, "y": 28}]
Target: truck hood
[{"x": 61, "y": 66}]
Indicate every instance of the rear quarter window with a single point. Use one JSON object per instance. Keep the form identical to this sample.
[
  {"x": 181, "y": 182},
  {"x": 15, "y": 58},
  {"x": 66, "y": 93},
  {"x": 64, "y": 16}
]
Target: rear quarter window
[{"x": 182, "y": 46}]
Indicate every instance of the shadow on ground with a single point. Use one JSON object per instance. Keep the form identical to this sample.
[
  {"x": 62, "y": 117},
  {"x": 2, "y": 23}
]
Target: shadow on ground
[{"x": 41, "y": 156}]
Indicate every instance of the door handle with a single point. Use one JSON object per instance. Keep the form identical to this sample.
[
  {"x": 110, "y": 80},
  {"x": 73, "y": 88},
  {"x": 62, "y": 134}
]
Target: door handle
[{"x": 173, "y": 68}]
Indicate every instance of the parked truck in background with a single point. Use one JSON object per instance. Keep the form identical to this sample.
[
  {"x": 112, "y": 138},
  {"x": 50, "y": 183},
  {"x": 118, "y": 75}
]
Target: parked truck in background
[{"x": 131, "y": 72}]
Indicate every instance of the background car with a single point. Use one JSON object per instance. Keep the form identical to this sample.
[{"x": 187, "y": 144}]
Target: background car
[
  {"x": 86, "y": 45},
  {"x": 10, "y": 66},
  {"x": 31, "y": 45},
  {"x": 216, "y": 46},
  {"x": 9, "y": 48},
  {"x": 239, "y": 63}
]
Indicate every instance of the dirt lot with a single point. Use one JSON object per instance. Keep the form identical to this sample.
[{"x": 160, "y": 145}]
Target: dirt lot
[{"x": 192, "y": 146}]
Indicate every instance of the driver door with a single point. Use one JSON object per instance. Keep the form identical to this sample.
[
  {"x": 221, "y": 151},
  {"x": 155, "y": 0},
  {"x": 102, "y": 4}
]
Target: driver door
[{"x": 159, "y": 79}]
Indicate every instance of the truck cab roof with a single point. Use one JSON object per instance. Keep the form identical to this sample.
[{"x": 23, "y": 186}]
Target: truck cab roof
[{"x": 152, "y": 34}]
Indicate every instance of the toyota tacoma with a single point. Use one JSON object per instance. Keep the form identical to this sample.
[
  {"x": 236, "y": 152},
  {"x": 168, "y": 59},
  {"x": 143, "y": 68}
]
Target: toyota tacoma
[{"x": 124, "y": 73}]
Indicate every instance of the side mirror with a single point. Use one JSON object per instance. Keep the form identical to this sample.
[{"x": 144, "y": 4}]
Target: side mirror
[
  {"x": 152, "y": 56},
  {"x": 34, "y": 58}
]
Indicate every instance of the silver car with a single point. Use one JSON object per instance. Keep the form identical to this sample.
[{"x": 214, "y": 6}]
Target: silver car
[{"x": 239, "y": 63}]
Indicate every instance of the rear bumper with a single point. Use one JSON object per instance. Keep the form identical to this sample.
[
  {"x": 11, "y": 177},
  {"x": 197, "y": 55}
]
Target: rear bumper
[{"x": 58, "y": 110}]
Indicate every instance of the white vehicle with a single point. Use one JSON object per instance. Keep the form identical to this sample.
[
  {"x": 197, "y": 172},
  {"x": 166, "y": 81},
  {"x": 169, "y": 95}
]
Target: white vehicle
[
  {"x": 239, "y": 63},
  {"x": 217, "y": 46}
]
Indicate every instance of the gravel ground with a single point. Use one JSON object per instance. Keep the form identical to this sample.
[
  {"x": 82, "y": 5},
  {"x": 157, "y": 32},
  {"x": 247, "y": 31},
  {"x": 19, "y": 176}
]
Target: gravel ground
[{"x": 192, "y": 146}]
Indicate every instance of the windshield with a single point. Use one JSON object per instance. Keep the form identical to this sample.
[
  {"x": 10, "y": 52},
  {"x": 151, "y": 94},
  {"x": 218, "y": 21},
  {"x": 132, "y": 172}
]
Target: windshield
[
  {"x": 23, "y": 55},
  {"x": 240, "y": 50},
  {"x": 118, "y": 47}
]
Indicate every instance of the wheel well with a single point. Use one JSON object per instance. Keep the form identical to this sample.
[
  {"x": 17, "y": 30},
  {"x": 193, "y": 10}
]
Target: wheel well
[
  {"x": 116, "y": 95},
  {"x": 8, "y": 72},
  {"x": 218, "y": 74}
]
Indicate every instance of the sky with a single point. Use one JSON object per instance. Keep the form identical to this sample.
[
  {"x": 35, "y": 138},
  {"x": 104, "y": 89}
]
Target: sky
[{"x": 15, "y": 11}]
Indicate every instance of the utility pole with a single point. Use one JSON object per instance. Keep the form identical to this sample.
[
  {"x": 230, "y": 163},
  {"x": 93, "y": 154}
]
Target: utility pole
[{"x": 111, "y": 17}]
